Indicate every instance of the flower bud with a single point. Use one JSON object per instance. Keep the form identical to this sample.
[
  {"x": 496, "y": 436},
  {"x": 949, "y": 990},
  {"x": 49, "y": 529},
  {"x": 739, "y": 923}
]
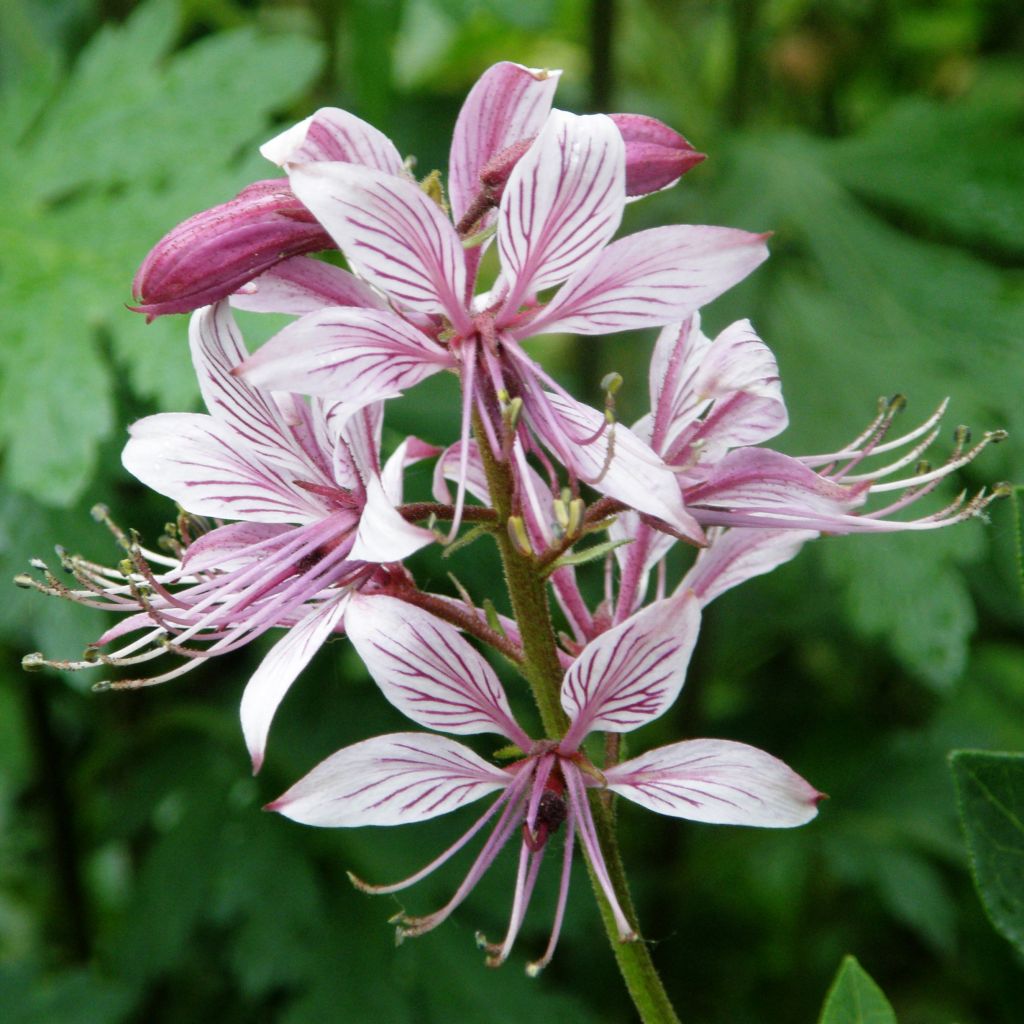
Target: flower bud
[
  {"x": 210, "y": 255},
  {"x": 656, "y": 156}
]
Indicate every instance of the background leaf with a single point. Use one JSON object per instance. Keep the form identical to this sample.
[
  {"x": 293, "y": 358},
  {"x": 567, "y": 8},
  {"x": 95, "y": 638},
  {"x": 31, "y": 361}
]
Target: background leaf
[
  {"x": 991, "y": 791},
  {"x": 855, "y": 999}
]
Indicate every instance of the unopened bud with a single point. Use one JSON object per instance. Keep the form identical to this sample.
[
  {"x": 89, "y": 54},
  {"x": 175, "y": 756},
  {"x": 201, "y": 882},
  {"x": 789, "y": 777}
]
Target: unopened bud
[
  {"x": 656, "y": 156},
  {"x": 212, "y": 254},
  {"x": 494, "y": 174}
]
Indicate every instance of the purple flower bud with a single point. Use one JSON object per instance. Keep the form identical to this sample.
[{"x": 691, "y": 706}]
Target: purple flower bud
[
  {"x": 656, "y": 156},
  {"x": 210, "y": 255}
]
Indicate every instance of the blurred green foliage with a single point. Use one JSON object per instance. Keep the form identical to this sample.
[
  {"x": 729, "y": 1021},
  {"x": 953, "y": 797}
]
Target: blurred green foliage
[{"x": 882, "y": 143}]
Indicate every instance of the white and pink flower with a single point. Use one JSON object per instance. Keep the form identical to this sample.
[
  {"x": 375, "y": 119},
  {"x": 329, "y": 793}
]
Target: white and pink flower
[{"x": 624, "y": 679}]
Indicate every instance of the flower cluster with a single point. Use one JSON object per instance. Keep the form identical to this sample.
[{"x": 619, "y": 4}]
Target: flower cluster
[{"x": 293, "y": 520}]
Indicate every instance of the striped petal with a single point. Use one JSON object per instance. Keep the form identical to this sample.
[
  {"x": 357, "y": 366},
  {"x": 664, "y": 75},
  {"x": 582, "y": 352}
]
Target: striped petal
[
  {"x": 383, "y": 535},
  {"x": 303, "y": 285},
  {"x": 740, "y": 374},
  {"x": 396, "y": 779},
  {"x": 333, "y": 134},
  {"x": 198, "y": 462},
  {"x": 355, "y": 356},
  {"x": 759, "y": 482},
  {"x": 649, "y": 279},
  {"x": 562, "y": 204},
  {"x": 428, "y": 671},
  {"x": 392, "y": 234},
  {"x": 734, "y": 556},
  {"x": 217, "y": 347},
  {"x": 614, "y": 461},
  {"x": 633, "y": 673},
  {"x": 716, "y": 781},
  {"x": 279, "y": 669},
  {"x": 507, "y": 104}
]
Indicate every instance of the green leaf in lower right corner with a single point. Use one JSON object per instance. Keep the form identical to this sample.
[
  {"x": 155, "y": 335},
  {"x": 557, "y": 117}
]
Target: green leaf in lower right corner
[
  {"x": 854, "y": 998},
  {"x": 990, "y": 791}
]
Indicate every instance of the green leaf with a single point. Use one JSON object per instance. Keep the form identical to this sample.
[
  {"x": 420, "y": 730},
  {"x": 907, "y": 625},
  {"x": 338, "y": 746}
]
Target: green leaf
[
  {"x": 909, "y": 589},
  {"x": 588, "y": 554},
  {"x": 953, "y": 169},
  {"x": 990, "y": 788},
  {"x": 132, "y": 141},
  {"x": 855, "y": 999}
]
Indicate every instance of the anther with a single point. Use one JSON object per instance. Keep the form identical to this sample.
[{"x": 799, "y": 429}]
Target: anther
[
  {"x": 518, "y": 535},
  {"x": 577, "y": 513},
  {"x": 103, "y": 686},
  {"x": 33, "y": 662}
]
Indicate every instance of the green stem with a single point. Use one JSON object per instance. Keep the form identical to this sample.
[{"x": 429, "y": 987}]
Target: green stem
[{"x": 528, "y": 593}]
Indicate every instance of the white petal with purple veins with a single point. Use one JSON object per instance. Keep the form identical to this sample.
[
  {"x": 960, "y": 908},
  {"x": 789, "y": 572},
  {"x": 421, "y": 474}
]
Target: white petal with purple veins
[
  {"x": 649, "y": 279},
  {"x": 354, "y": 356},
  {"x": 333, "y": 134},
  {"x": 279, "y": 669},
  {"x": 737, "y": 555},
  {"x": 392, "y": 233},
  {"x": 427, "y": 670},
  {"x": 632, "y": 674},
  {"x": 716, "y": 781},
  {"x": 508, "y": 103},
  {"x": 257, "y": 422},
  {"x": 303, "y": 285},
  {"x": 615, "y": 462},
  {"x": 766, "y": 483},
  {"x": 383, "y": 535},
  {"x": 562, "y": 204},
  {"x": 356, "y": 432},
  {"x": 231, "y": 546},
  {"x": 396, "y": 779},
  {"x": 198, "y": 462}
]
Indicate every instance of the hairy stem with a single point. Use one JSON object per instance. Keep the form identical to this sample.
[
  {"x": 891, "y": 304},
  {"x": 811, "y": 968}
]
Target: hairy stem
[{"x": 541, "y": 666}]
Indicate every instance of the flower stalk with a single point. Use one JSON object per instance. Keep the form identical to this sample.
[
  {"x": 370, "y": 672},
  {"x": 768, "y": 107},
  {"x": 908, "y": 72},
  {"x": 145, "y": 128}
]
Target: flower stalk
[{"x": 527, "y": 592}]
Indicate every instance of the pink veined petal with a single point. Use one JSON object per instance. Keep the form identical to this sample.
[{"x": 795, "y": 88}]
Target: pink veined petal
[
  {"x": 447, "y": 468},
  {"x": 741, "y": 375},
  {"x": 333, "y": 134},
  {"x": 303, "y": 285},
  {"x": 392, "y": 234},
  {"x": 217, "y": 347},
  {"x": 355, "y": 432},
  {"x": 716, "y": 781},
  {"x": 229, "y": 547},
  {"x": 676, "y": 358},
  {"x": 200, "y": 463},
  {"x": 617, "y": 463},
  {"x": 279, "y": 669},
  {"x": 649, "y": 279},
  {"x": 408, "y": 453},
  {"x": 355, "y": 356},
  {"x": 383, "y": 535},
  {"x": 763, "y": 482},
  {"x": 563, "y": 202},
  {"x": 734, "y": 556},
  {"x": 508, "y": 103},
  {"x": 633, "y": 673},
  {"x": 626, "y": 527},
  {"x": 427, "y": 670},
  {"x": 395, "y": 779}
]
